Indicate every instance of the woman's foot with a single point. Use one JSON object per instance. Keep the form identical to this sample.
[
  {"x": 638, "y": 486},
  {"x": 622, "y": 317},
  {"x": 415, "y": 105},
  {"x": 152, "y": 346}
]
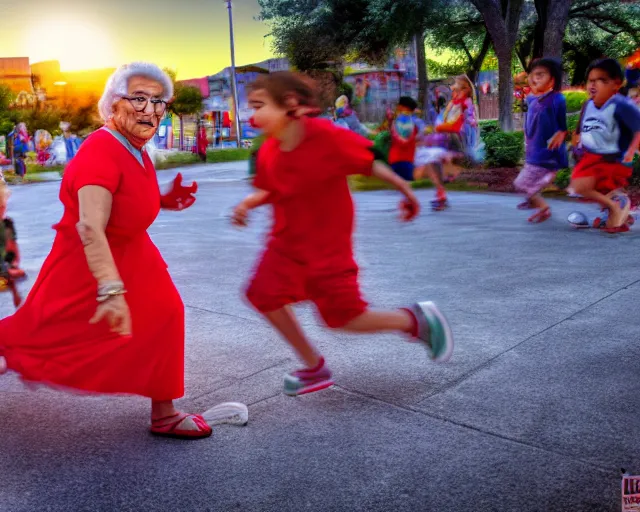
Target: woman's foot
[
  {"x": 3, "y": 365},
  {"x": 181, "y": 426}
]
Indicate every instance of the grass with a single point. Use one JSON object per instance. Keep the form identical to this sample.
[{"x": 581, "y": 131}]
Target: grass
[
  {"x": 215, "y": 156},
  {"x": 37, "y": 169},
  {"x": 366, "y": 184}
]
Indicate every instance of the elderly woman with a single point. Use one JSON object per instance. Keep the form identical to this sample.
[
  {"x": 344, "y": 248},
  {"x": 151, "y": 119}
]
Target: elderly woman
[{"x": 104, "y": 315}]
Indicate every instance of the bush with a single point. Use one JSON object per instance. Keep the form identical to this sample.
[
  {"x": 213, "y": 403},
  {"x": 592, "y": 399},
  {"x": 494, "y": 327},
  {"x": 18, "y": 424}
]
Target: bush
[
  {"x": 563, "y": 178},
  {"x": 382, "y": 144},
  {"x": 503, "y": 149},
  {"x": 572, "y": 122},
  {"x": 575, "y": 100},
  {"x": 488, "y": 126}
]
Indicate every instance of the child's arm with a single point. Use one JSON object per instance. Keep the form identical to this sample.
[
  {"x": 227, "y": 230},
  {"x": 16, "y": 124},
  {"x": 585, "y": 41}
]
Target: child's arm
[
  {"x": 252, "y": 201},
  {"x": 410, "y": 206},
  {"x": 627, "y": 114},
  {"x": 560, "y": 136},
  {"x": 633, "y": 148}
]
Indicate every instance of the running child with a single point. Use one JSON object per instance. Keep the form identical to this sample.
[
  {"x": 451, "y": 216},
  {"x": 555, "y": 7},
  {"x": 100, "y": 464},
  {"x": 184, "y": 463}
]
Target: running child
[
  {"x": 609, "y": 136},
  {"x": 457, "y": 135},
  {"x": 545, "y": 132},
  {"x": 405, "y": 129},
  {"x": 302, "y": 172}
]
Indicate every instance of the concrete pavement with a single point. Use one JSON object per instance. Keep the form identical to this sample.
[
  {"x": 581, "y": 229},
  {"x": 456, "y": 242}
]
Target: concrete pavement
[{"x": 537, "y": 410}]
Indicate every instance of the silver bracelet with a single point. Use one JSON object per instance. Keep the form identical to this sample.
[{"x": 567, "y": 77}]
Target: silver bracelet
[{"x": 110, "y": 289}]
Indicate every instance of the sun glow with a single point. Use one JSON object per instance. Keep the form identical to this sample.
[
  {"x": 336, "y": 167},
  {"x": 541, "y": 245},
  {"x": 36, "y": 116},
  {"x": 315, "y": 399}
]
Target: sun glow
[{"x": 77, "y": 44}]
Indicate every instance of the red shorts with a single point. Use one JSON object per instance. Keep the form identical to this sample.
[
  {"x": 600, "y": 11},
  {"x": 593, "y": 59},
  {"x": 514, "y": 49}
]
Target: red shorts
[
  {"x": 608, "y": 175},
  {"x": 280, "y": 281}
]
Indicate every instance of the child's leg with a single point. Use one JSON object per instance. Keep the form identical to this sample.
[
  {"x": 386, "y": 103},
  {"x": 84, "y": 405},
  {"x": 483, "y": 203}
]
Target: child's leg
[
  {"x": 381, "y": 321},
  {"x": 286, "y": 323},
  {"x": 537, "y": 201},
  {"x": 341, "y": 306},
  {"x": 585, "y": 186},
  {"x": 434, "y": 176},
  {"x": 279, "y": 281}
]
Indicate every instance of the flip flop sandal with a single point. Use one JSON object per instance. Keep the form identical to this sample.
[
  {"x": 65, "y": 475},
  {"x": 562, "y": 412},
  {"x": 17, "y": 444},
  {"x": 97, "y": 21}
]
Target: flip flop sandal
[
  {"x": 164, "y": 428},
  {"x": 540, "y": 216},
  {"x": 620, "y": 229}
]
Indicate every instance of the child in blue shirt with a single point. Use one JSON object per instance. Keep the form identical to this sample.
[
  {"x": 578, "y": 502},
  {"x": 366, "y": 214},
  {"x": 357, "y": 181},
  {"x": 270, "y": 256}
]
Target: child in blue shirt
[{"x": 545, "y": 132}]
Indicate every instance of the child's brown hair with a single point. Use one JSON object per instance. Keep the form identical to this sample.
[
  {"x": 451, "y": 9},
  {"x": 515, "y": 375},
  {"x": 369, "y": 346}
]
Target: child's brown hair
[{"x": 291, "y": 91}]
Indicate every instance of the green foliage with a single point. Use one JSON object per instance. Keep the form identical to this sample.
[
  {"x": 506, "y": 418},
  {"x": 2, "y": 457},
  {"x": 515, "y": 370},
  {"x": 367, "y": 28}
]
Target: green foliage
[
  {"x": 572, "y": 121},
  {"x": 184, "y": 158},
  {"x": 188, "y": 101},
  {"x": 575, "y": 100},
  {"x": 563, "y": 178},
  {"x": 313, "y": 32},
  {"x": 180, "y": 159},
  {"x": 228, "y": 155},
  {"x": 345, "y": 89},
  {"x": 6, "y": 98},
  {"x": 488, "y": 126},
  {"x": 597, "y": 28},
  {"x": 382, "y": 144},
  {"x": 503, "y": 149},
  {"x": 6, "y": 125}
]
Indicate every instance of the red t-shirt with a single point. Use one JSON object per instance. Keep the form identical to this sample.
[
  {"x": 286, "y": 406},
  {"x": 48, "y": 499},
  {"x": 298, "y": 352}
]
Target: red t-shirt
[
  {"x": 312, "y": 205},
  {"x": 402, "y": 150}
]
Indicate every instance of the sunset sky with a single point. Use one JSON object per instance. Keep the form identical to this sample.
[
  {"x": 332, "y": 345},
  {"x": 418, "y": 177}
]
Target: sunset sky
[{"x": 191, "y": 36}]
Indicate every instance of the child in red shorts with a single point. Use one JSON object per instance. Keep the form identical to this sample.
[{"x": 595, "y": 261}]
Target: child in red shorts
[
  {"x": 609, "y": 131},
  {"x": 302, "y": 172}
]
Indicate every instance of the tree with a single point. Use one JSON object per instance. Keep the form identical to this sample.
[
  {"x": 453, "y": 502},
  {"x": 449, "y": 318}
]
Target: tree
[
  {"x": 581, "y": 29},
  {"x": 6, "y": 98},
  {"x": 502, "y": 19},
  {"x": 321, "y": 34},
  {"x": 187, "y": 101},
  {"x": 459, "y": 28}
]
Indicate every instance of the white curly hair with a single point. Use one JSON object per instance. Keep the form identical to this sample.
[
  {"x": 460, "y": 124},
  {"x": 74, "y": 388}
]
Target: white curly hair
[{"x": 118, "y": 83}]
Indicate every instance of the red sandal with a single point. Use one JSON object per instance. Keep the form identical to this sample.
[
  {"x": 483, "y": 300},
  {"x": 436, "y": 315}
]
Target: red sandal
[
  {"x": 164, "y": 428},
  {"x": 540, "y": 216}
]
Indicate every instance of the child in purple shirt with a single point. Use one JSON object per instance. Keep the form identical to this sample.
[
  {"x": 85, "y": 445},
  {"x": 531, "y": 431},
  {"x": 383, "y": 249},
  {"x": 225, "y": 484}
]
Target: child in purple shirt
[{"x": 545, "y": 131}]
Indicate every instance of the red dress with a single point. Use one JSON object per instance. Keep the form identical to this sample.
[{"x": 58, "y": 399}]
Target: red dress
[{"x": 49, "y": 339}]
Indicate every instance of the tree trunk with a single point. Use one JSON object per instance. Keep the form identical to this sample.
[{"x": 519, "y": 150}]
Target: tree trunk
[
  {"x": 477, "y": 63},
  {"x": 505, "y": 90},
  {"x": 557, "y": 19},
  {"x": 502, "y": 19},
  {"x": 423, "y": 78}
]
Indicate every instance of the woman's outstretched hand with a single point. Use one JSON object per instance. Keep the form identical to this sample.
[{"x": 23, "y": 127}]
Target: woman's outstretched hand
[
  {"x": 179, "y": 197},
  {"x": 115, "y": 311}
]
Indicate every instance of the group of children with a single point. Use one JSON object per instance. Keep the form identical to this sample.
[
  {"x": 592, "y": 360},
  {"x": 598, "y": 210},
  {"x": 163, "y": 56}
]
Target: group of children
[
  {"x": 416, "y": 154},
  {"x": 302, "y": 171},
  {"x": 605, "y": 143}
]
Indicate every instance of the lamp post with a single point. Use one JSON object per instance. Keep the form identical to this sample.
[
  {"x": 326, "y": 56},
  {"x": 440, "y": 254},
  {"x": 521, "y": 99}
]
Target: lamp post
[{"x": 234, "y": 85}]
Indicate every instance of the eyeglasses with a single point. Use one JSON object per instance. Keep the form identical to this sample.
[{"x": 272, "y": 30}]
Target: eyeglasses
[{"x": 139, "y": 104}]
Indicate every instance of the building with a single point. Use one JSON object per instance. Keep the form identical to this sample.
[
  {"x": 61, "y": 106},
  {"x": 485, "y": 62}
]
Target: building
[
  {"x": 62, "y": 87},
  {"x": 15, "y": 72}
]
